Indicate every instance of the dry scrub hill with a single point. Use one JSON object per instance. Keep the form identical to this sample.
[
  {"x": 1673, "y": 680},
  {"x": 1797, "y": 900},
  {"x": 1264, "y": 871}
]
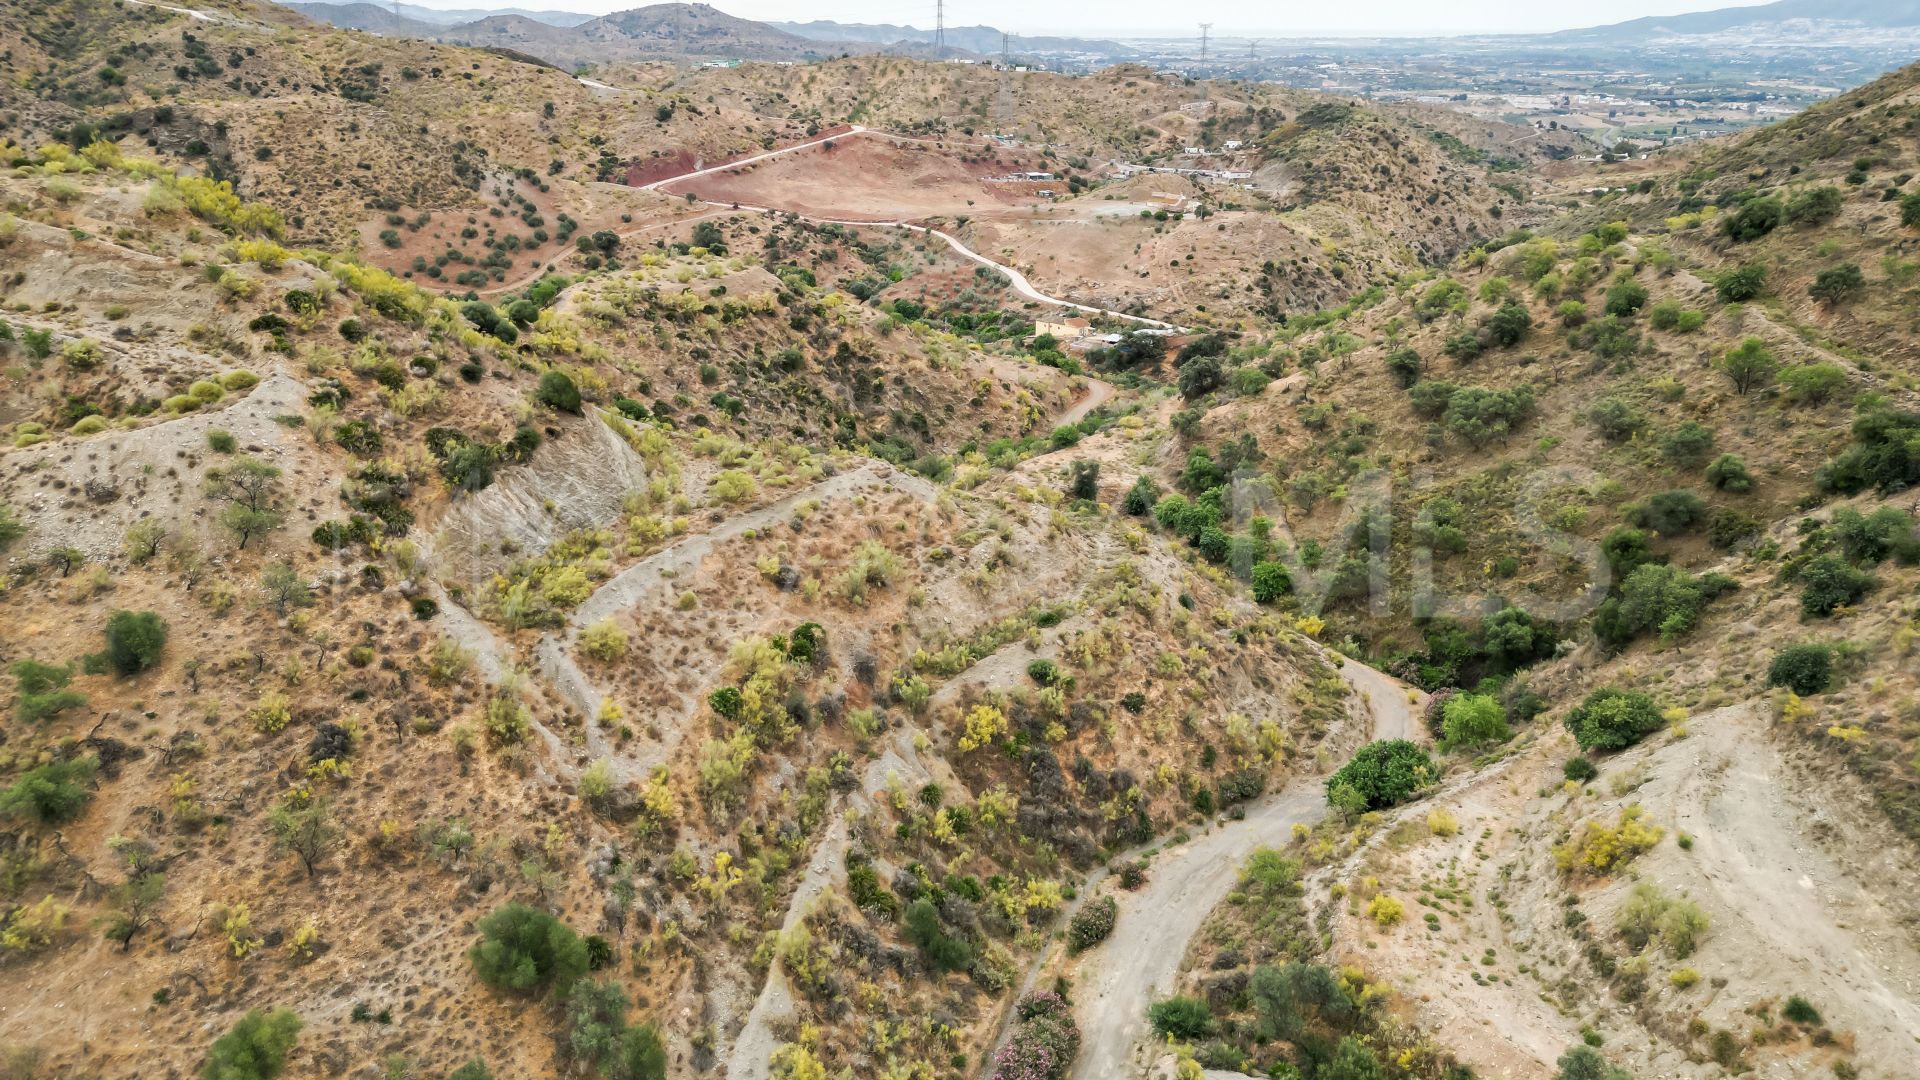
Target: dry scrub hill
[
  {"x": 1699, "y": 417},
  {"x": 593, "y": 601},
  {"x": 352, "y": 136}
]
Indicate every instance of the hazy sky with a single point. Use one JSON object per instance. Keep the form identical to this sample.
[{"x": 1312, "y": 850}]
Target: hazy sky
[{"x": 1230, "y": 18}]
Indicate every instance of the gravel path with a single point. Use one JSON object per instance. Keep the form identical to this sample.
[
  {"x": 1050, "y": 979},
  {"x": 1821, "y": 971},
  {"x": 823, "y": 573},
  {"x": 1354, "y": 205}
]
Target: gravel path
[{"x": 1142, "y": 959}]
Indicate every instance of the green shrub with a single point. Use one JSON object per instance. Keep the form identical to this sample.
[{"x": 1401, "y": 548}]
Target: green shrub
[
  {"x": 1403, "y": 365},
  {"x": 1740, "y": 284},
  {"x": 1181, "y": 1017},
  {"x": 1613, "y": 719},
  {"x": 1091, "y": 924},
  {"x": 256, "y": 1048},
  {"x": 134, "y": 641},
  {"x": 1803, "y": 669},
  {"x": 1141, "y": 497},
  {"x": 1814, "y": 205},
  {"x": 472, "y": 1070},
  {"x": 50, "y": 794},
  {"x": 1668, "y": 513},
  {"x": 1885, "y": 454},
  {"x": 11, "y": 527},
  {"x": 1473, "y": 720},
  {"x": 1870, "y": 538},
  {"x": 1616, "y": 420},
  {"x": 1585, "y": 1063},
  {"x": 1656, "y": 598},
  {"x": 556, "y": 391},
  {"x": 42, "y": 690},
  {"x": 528, "y": 951},
  {"x": 1755, "y": 219},
  {"x": 1271, "y": 581},
  {"x": 1626, "y": 297},
  {"x": 221, "y": 442},
  {"x": 1829, "y": 582},
  {"x": 1382, "y": 774},
  {"x": 1579, "y": 769},
  {"x": 1813, "y": 384},
  {"x": 1728, "y": 528},
  {"x": 1728, "y": 473},
  {"x": 1800, "y": 1011},
  {"x": 1688, "y": 445},
  {"x": 942, "y": 952}
]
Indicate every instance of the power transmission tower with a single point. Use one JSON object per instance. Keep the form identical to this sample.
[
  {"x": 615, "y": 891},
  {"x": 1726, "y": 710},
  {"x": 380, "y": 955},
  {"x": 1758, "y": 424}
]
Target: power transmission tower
[
  {"x": 1253, "y": 49},
  {"x": 1204, "y": 27},
  {"x": 939, "y": 27},
  {"x": 1004, "y": 105}
]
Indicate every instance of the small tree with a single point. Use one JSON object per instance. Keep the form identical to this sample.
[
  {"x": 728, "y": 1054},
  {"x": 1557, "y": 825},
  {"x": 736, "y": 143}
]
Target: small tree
[
  {"x": 1750, "y": 365},
  {"x": 1813, "y": 384},
  {"x": 135, "y": 640},
  {"x": 527, "y": 951},
  {"x": 596, "y": 1016},
  {"x": 142, "y": 540},
  {"x": 1626, "y": 297},
  {"x": 1842, "y": 284},
  {"x": 251, "y": 489},
  {"x": 306, "y": 829},
  {"x": 283, "y": 589},
  {"x": 256, "y": 1048}
]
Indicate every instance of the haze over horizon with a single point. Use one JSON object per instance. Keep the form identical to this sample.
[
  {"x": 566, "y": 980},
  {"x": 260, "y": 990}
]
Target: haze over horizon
[{"x": 1138, "y": 18}]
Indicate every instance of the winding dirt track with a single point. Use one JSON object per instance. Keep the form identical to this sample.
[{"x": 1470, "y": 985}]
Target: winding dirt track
[
  {"x": 1014, "y": 277},
  {"x": 1142, "y": 959}
]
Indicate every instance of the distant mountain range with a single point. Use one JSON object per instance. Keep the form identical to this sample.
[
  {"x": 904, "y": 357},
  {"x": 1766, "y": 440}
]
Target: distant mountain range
[
  {"x": 665, "y": 31},
  {"x": 984, "y": 40},
  {"x": 656, "y": 32},
  {"x": 1804, "y": 21},
  {"x": 456, "y": 16}
]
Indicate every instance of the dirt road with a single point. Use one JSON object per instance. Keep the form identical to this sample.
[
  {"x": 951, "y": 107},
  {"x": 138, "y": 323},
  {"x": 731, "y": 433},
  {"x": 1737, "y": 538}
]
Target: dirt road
[
  {"x": 1142, "y": 959},
  {"x": 743, "y": 162},
  {"x": 1098, "y": 394}
]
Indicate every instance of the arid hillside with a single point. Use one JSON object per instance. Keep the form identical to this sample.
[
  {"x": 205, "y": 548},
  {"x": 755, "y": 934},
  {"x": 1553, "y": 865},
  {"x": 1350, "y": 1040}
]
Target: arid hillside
[{"x": 745, "y": 573}]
